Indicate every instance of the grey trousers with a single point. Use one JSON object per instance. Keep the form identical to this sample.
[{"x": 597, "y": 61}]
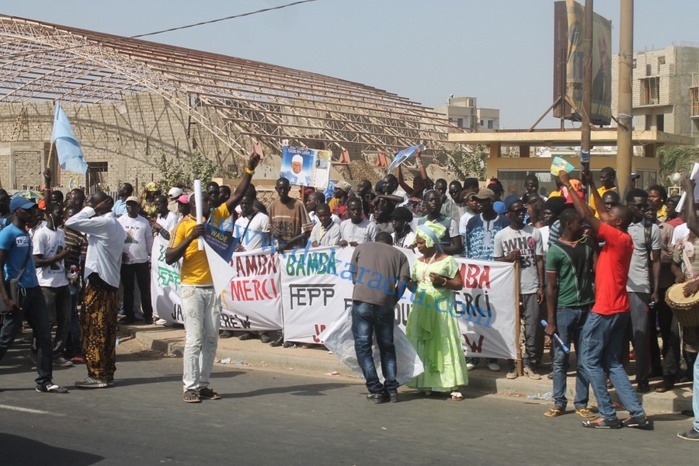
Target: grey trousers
[{"x": 640, "y": 333}]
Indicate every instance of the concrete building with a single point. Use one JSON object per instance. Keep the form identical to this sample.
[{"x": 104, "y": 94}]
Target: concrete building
[
  {"x": 465, "y": 113},
  {"x": 665, "y": 90}
]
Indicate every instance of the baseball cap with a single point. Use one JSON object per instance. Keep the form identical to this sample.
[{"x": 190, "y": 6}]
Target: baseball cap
[
  {"x": 183, "y": 199},
  {"x": 21, "y": 203},
  {"x": 485, "y": 193},
  {"x": 133, "y": 199},
  {"x": 343, "y": 185},
  {"x": 174, "y": 193}
]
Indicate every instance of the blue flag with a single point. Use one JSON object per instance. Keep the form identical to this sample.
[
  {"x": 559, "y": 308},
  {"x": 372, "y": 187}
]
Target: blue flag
[
  {"x": 402, "y": 156},
  {"x": 70, "y": 153}
]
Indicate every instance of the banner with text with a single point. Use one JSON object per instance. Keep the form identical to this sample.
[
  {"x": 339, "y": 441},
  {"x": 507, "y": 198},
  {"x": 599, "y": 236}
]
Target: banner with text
[
  {"x": 317, "y": 292},
  {"x": 250, "y": 301}
]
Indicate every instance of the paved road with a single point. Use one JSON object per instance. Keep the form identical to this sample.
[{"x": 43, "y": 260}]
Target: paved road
[{"x": 271, "y": 418}]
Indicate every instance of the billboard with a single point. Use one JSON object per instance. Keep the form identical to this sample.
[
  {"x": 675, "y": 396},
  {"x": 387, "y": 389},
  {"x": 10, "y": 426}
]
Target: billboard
[
  {"x": 306, "y": 167},
  {"x": 569, "y": 20}
]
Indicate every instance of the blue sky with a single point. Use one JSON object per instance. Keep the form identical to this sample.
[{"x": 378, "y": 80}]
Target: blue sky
[{"x": 499, "y": 51}]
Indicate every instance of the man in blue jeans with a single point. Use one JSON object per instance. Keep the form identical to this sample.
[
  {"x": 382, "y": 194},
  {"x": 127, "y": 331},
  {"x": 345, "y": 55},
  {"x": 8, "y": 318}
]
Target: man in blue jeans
[
  {"x": 569, "y": 296},
  {"x": 603, "y": 333},
  {"x": 17, "y": 261},
  {"x": 380, "y": 273}
]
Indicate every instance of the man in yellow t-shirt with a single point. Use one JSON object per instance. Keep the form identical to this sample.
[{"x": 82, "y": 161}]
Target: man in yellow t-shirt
[
  {"x": 607, "y": 179},
  {"x": 200, "y": 305}
]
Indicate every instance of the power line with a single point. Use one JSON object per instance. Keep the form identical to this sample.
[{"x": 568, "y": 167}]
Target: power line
[{"x": 223, "y": 19}]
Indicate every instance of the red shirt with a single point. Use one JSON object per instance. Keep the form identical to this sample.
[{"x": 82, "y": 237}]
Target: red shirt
[{"x": 612, "y": 271}]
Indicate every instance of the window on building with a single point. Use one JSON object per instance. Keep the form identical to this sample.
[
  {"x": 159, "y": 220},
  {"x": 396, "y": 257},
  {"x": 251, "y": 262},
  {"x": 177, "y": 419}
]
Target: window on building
[
  {"x": 661, "y": 61},
  {"x": 660, "y": 122},
  {"x": 694, "y": 99},
  {"x": 96, "y": 176},
  {"x": 648, "y": 119},
  {"x": 490, "y": 124},
  {"x": 481, "y": 123},
  {"x": 460, "y": 122},
  {"x": 649, "y": 71},
  {"x": 634, "y": 64},
  {"x": 650, "y": 91}
]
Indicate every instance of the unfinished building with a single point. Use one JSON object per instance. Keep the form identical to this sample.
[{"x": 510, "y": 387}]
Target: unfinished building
[{"x": 135, "y": 105}]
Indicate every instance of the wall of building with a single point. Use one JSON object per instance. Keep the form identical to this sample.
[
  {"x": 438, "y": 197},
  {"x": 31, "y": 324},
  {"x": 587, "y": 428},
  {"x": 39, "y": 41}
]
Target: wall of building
[
  {"x": 670, "y": 109},
  {"x": 127, "y": 138}
]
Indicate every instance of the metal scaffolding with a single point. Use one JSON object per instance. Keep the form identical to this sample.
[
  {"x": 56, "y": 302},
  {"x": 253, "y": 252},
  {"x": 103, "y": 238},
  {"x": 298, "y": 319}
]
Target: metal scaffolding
[{"x": 270, "y": 103}]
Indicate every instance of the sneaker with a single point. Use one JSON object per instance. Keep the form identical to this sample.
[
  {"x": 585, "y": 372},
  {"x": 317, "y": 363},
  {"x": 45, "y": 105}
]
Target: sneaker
[
  {"x": 691, "y": 434},
  {"x": 78, "y": 359},
  {"x": 91, "y": 382},
  {"x": 160, "y": 322},
  {"x": 62, "y": 362},
  {"x": 493, "y": 366},
  {"x": 51, "y": 388},
  {"x": 378, "y": 398},
  {"x": 393, "y": 397},
  {"x": 289, "y": 344},
  {"x": 512, "y": 374},
  {"x": 531, "y": 373},
  {"x": 638, "y": 422},
  {"x": 208, "y": 394},
  {"x": 470, "y": 366}
]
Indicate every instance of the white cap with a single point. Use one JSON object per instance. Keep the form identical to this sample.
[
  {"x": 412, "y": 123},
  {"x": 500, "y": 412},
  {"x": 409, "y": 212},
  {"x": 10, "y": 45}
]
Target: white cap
[
  {"x": 297, "y": 158},
  {"x": 174, "y": 193}
]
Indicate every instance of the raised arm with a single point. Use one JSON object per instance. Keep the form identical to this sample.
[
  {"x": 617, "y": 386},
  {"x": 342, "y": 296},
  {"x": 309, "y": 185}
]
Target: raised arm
[
  {"x": 580, "y": 205},
  {"x": 690, "y": 212},
  {"x": 239, "y": 192}
]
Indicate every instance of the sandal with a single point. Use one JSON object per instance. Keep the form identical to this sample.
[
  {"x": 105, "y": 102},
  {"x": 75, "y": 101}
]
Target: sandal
[
  {"x": 208, "y": 394},
  {"x": 602, "y": 423},
  {"x": 457, "y": 396},
  {"x": 191, "y": 396},
  {"x": 555, "y": 412},
  {"x": 584, "y": 412}
]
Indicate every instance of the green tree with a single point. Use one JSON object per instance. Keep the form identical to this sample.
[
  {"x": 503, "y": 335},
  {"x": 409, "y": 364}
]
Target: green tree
[
  {"x": 467, "y": 161},
  {"x": 676, "y": 159},
  {"x": 176, "y": 173}
]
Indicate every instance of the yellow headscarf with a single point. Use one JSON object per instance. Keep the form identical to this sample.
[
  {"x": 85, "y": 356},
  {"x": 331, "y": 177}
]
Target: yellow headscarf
[{"x": 431, "y": 232}]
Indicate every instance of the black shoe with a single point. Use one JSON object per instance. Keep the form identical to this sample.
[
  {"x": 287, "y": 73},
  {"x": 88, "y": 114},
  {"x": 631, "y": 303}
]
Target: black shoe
[
  {"x": 51, "y": 388},
  {"x": 664, "y": 386},
  {"x": 246, "y": 336},
  {"x": 276, "y": 343},
  {"x": 393, "y": 397},
  {"x": 225, "y": 334},
  {"x": 638, "y": 422},
  {"x": 265, "y": 338},
  {"x": 378, "y": 398},
  {"x": 691, "y": 434},
  {"x": 643, "y": 387},
  {"x": 127, "y": 321},
  {"x": 148, "y": 320}
]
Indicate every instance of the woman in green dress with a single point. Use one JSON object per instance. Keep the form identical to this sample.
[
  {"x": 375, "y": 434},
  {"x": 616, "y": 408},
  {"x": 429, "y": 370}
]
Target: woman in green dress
[{"x": 432, "y": 325}]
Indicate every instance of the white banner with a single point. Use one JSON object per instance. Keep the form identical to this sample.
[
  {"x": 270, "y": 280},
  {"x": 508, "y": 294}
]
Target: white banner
[
  {"x": 250, "y": 301},
  {"x": 308, "y": 291},
  {"x": 317, "y": 291}
]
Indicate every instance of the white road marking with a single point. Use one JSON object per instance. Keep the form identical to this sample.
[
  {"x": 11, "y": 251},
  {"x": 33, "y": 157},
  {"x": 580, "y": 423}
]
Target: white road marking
[{"x": 28, "y": 410}]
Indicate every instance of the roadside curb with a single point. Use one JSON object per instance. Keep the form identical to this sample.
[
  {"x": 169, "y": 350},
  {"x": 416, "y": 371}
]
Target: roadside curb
[{"x": 253, "y": 353}]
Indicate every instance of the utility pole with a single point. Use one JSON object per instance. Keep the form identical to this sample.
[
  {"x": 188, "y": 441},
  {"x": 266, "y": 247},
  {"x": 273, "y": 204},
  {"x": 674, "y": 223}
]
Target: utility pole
[
  {"x": 585, "y": 144},
  {"x": 625, "y": 93}
]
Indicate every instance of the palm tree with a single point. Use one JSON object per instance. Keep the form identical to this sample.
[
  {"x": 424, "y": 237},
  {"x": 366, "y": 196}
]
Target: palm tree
[{"x": 676, "y": 159}]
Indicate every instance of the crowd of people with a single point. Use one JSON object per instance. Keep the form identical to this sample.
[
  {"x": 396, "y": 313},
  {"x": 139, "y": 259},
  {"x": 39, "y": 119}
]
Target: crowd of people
[{"x": 595, "y": 263}]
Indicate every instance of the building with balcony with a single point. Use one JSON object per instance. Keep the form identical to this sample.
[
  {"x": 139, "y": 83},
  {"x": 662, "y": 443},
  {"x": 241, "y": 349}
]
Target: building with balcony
[{"x": 465, "y": 113}]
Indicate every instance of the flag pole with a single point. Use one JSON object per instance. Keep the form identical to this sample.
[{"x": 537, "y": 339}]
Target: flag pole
[{"x": 48, "y": 163}]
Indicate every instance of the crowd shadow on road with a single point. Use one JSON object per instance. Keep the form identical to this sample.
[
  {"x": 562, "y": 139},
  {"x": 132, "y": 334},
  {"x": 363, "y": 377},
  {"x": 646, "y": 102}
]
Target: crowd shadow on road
[
  {"x": 20, "y": 451},
  {"x": 295, "y": 390}
]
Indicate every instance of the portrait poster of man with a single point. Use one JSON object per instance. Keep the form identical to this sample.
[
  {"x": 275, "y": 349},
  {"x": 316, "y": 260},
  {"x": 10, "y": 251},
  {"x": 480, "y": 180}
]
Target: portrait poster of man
[
  {"x": 297, "y": 165},
  {"x": 569, "y": 34}
]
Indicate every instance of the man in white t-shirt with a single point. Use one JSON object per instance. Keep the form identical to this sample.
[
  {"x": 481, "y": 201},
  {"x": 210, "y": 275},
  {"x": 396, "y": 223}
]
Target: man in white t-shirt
[
  {"x": 522, "y": 243},
  {"x": 356, "y": 230},
  {"x": 49, "y": 249},
  {"x": 135, "y": 262},
  {"x": 251, "y": 228},
  {"x": 165, "y": 219}
]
